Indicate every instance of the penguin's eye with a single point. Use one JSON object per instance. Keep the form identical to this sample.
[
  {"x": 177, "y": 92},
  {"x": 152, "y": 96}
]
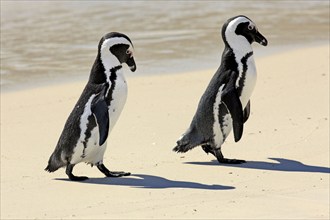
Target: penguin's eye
[
  {"x": 128, "y": 52},
  {"x": 250, "y": 27}
]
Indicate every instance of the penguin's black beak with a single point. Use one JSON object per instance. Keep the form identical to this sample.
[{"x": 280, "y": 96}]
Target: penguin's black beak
[
  {"x": 131, "y": 64},
  {"x": 259, "y": 38}
]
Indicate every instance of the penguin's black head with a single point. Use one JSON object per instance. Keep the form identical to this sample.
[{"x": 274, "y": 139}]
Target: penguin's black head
[
  {"x": 117, "y": 45},
  {"x": 242, "y": 26}
]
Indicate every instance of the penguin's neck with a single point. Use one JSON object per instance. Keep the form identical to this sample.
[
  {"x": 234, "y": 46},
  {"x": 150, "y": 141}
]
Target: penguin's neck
[
  {"x": 239, "y": 44},
  {"x": 241, "y": 48},
  {"x": 103, "y": 67},
  {"x": 110, "y": 62},
  {"x": 243, "y": 53}
]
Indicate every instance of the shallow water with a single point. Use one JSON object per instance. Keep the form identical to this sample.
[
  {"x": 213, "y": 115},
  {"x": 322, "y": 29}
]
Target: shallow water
[{"x": 43, "y": 40}]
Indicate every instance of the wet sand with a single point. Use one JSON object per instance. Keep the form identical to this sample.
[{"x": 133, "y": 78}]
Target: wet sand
[{"x": 285, "y": 143}]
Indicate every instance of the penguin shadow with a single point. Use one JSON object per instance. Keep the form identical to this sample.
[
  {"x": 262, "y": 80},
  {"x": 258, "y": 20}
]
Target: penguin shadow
[
  {"x": 150, "y": 182},
  {"x": 282, "y": 164}
]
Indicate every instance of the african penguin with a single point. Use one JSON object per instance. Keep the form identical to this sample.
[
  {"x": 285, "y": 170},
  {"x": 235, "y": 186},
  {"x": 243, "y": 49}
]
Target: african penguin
[
  {"x": 84, "y": 137},
  {"x": 225, "y": 105}
]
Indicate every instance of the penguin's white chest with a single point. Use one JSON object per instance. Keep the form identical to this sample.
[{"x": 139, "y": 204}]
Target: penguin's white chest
[
  {"x": 119, "y": 96},
  {"x": 250, "y": 78},
  {"x": 249, "y": 74},
  {"x": 88, "y": 150}
]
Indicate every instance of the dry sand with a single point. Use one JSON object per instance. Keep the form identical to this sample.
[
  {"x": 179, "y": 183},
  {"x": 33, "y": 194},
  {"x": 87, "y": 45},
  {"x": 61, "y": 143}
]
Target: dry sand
[{"x": 285, "y": 141}]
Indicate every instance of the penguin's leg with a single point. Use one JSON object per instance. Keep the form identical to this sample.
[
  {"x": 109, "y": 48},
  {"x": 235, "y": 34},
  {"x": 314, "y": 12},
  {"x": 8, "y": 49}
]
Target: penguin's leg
[
  {"x": 218, "y": 154},
  {"x": 208, "y": 149},
  {"x": 108, "y": 173},
  {"x": 72, "y": 177}
]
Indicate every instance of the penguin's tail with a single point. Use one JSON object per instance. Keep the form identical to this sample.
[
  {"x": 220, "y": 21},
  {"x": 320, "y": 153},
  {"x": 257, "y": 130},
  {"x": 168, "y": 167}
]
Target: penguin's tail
[
  {"x": 54, "y": 163},
  {"x": 188, "y": 141}
]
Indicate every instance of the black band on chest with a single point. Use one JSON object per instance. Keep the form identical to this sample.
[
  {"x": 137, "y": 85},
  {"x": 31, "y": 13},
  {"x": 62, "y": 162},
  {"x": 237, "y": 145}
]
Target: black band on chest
[
  {"x": 245, "y": 67},
  {"x": 113, "y": 77}
]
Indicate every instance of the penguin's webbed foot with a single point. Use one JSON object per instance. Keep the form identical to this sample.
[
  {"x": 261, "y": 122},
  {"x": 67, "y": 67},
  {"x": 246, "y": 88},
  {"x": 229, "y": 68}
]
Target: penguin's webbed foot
[
  {"x": 72, "y": 177},
  {"x": 108, "y": 173},
  {"x": 78, "y": 178},
  {"x": 218, "y": 154},
  {"x": 230, "y": 161},
  {"x": 118, "y": 174}
]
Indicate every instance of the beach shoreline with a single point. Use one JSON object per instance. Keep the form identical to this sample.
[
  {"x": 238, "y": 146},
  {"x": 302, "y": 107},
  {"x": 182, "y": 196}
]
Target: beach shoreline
[
  {"x": 285, "y": 143},
  {"x": 213, "y": 61},
  {"x": 34, "y": 47}
]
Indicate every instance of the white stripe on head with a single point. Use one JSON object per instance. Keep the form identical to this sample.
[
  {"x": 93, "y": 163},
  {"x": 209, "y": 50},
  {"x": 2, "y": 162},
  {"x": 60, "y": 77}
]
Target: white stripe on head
[
  {"x": 115, "y": 40},
  {"x": 238, "y": 43},
  {"x": 109, "y": 60}
]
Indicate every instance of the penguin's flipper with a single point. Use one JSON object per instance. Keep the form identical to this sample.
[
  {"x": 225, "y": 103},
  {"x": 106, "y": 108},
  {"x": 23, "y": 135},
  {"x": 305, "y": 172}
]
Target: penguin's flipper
[
  {"x": 100, "y": 110},
  {"x": 231, "y": 99},
  {"x": 246, "y": 112}
]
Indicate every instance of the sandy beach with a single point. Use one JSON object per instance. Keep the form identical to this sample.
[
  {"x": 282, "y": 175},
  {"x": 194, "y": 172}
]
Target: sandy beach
[{"x": 285, "y": 143}]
